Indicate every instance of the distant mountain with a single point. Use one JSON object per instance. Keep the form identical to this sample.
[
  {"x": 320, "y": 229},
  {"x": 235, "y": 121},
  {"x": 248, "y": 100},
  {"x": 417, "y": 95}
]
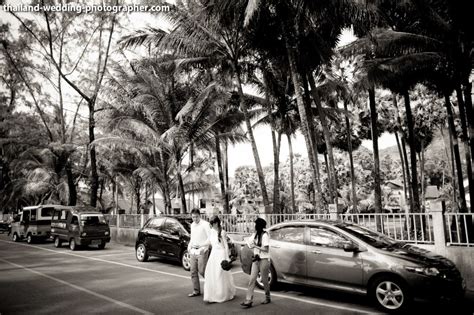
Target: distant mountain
[{"x": 436, "y": 148}]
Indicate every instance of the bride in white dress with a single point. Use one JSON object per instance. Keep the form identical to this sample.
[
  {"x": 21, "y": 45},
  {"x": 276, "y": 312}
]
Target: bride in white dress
[{"x": 219, "y": 284}]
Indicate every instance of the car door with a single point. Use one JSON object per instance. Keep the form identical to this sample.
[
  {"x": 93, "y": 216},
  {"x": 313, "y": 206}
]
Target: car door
[
  {"x": 153, "y": 235},
  {"x": 172, "y": 231},
  {"x": 57, "y": 227},
  {"x": 24, "y": 223},
  {"x": 327, "y": 262},
  {"x": 73, "y": 228},
  {"x": 288, "y": 252}
]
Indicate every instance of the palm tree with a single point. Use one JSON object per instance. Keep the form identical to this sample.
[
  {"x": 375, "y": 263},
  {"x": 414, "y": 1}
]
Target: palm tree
[
  {"x": 224, "y": 119},
  {"x": 206, "y": 37},
  {"x": 336, "y": 87},
  {"x": 277, "y": 110},
  {"x": 434, "y": 38},
  {"x": 308, "y": 33}
]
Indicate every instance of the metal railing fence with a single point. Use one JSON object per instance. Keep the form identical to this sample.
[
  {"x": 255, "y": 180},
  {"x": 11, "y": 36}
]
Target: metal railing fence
[{"x": 414, "y": 228}]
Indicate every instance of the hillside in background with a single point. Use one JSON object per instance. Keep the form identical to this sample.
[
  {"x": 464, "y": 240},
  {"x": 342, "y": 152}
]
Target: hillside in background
[{"x": 436, "y": 148}]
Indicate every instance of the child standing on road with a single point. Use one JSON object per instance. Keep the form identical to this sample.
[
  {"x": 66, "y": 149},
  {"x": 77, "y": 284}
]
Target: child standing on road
[{"x": 260, "y": 243}]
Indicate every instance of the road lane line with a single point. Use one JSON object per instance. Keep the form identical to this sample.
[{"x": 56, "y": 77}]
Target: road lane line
[
  {"x": 117, "y": 254},
  {"x": 284, "y": 296},
  {"x": 122, "y": 304},
  {"x": 98, "y": 259}
]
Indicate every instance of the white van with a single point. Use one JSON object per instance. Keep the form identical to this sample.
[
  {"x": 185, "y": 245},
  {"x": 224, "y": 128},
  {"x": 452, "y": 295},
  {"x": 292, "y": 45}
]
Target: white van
[{"x": 34, "y": 223}]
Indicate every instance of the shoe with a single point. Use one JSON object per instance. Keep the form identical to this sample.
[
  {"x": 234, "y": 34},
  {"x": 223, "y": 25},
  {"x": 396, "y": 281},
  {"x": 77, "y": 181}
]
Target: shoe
[
  {"x": 246, "y": 304},
  {"x": 266, "y": 301},
  {"x": 194, "y": 294}
]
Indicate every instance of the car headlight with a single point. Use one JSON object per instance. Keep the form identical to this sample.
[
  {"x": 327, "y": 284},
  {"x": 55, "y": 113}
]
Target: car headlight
[
  {"x": 83, "y": 234},
  {"x": 106, "y": 233},
  {"x": 427, "y": 271}
]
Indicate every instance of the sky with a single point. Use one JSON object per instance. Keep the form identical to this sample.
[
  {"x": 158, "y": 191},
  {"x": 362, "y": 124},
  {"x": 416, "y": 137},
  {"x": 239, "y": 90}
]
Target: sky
[{"x": 240, "y": 154}]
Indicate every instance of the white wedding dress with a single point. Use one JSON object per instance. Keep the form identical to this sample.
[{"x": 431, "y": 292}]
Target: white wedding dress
[{"x": 218, "y": 284}]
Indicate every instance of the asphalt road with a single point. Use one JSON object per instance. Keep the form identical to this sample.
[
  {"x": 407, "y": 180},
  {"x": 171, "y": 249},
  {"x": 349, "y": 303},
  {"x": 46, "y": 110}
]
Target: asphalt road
[{"x": 41, "y": 279}]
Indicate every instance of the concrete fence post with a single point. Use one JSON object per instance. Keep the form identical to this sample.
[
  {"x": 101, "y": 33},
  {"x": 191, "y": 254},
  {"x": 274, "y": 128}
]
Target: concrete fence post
[
  {"x": 334, "y": 211},
  {"x": 438, "y": 227},
  {"x": 142, "y": 220},
  {"x": 118, "y": 222}
]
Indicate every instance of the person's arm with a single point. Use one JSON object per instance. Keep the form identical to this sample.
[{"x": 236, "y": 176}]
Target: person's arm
[
  {"x": 190, "y": 240},
  {"x": 250, "y": 241},
  {"x": 226, "y": 246}
]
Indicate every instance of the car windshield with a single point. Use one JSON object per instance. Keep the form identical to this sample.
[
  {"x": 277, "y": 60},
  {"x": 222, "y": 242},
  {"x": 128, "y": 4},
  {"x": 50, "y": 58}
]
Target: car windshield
[
  {"x": 92, "y": 219},
  {"x": 372, "y": 238},
  {"x": 186, "y": 224}
]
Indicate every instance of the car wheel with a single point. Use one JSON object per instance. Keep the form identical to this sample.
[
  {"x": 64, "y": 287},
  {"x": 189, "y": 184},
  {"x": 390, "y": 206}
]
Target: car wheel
[
  {"x": 141, "y": 253},
  {"x": 57, "y": 242},
  {"x": 29, "y": 239},
  {"x": 15, "y": 237},
  {"x": 186, "y": 260},
  {"x": 101, "y": 245},
  {"x": 390, "y": 294},
  {"x": 272, "y": 279},
  {"x": 72, "y": 244}
]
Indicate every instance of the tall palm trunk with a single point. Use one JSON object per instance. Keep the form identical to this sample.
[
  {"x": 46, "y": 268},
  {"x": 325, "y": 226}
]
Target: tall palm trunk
[
  {"x": 94, "y": 176},
  {"x": 421, "y": 158},
  {"x": 258, "y": 165},
  {"x": 351, "y": 158},
  {"x": 72, "y": 200},
  {"x": 165, "y": 185},
  {"x": 224, "y": 196},
  {"x": 276, "y": 171},
  {"x": 465, "y": 135},
  {"x": 191, "y": 163},
  {"x": 153, "y": 193},
  {"x": 467, "y": 88},
  {"x": 457, "y": 156},
  {"x": 292, "y": 174},
  {"x": 226, "y": 167},
  {"x": 182, "y": 193},
  {"x": 327, "y": 136},
  {"x": 400, "y": 153},
  {"x": 375, "y": 145},
  {"x": 318, "y": 194},
  {"x": 276, "y": 141},
  {"x": 297, "y": 84},
  {"x": 407, "y": 181},
  {"x": 415, "y": 196},
  {"x": 453, "y": 171}
]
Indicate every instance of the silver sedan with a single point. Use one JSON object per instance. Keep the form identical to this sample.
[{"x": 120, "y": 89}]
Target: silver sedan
[{"x": 347, "y": 257}]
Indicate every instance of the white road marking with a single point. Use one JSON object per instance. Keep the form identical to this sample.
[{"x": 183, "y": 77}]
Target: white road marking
[
  {"x": 118, "y": 254},
  {"x": 284, "y": 296},
  {"x": 122, "y": 304}
]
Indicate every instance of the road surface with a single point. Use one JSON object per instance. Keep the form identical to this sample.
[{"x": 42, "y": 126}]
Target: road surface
[{"x": 42, "y": 279}]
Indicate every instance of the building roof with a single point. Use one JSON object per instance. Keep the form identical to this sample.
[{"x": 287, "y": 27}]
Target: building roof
[{"x": 395, "y": 182}]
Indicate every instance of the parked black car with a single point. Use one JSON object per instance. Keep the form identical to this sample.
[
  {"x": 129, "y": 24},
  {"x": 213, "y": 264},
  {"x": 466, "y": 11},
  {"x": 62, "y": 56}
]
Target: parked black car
[{"x": 168, "y": 237}]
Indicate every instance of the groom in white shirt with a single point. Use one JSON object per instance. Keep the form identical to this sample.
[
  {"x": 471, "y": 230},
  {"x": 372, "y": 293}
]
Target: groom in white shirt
[{"x": 198, "y": 249}]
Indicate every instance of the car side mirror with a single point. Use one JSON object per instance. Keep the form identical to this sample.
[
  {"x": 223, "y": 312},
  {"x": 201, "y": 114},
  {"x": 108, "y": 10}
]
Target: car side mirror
[{"x": 351, "y": 247}]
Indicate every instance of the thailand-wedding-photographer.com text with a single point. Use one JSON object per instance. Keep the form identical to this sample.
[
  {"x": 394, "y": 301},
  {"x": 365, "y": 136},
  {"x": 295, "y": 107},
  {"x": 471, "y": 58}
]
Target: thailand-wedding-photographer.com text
[{"x": 84, "y": 8}]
